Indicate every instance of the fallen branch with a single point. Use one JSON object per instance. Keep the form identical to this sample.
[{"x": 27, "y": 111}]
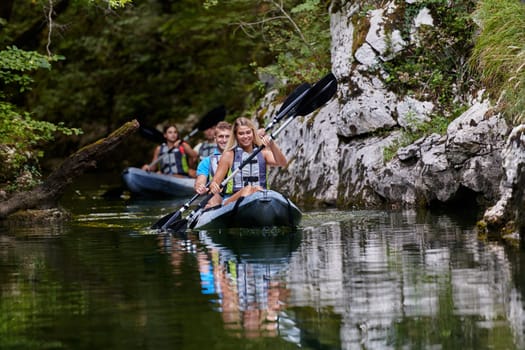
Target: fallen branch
[{"x": 46, "y": 195}]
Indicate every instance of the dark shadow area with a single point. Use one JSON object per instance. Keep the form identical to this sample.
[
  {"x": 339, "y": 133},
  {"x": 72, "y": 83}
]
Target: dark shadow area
[{"x": 466, "y": 206}]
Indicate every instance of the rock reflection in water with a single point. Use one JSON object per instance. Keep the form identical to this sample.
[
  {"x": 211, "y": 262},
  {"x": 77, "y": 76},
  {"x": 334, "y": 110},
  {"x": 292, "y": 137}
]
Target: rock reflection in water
[
  {"x": 373, "y": 280},
  {"x": 401, "y": 280}
]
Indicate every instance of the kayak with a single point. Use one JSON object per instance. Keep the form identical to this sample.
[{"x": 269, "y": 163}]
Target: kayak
[
  {"x": 265, "y": 208},
  {"x": 149, "y": 184}
]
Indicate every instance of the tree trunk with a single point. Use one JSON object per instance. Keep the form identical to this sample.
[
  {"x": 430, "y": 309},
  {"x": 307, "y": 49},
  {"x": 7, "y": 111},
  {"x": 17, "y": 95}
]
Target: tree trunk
[{"x": 47, "y": 194}]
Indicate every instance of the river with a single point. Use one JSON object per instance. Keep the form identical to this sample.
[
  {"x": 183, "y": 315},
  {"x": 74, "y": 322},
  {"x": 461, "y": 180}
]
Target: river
[{"x": 344, "y": 280}]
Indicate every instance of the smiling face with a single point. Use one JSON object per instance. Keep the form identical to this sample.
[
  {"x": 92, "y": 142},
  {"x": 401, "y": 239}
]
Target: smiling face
[
  {"x": 244, "y": 135},
  {"x": 221, "y": 138}
]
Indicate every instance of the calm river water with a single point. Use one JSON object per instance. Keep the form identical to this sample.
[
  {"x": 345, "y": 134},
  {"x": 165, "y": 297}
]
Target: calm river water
[{"x": 344, "y": 280}]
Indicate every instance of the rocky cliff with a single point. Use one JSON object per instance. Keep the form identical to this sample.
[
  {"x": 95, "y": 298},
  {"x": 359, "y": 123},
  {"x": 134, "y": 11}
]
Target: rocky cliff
[{"x": 338, "y": 154}]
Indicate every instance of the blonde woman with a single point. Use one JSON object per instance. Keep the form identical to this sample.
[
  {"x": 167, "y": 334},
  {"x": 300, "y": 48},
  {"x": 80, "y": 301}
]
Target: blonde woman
[{"x": 253, "y": 176}]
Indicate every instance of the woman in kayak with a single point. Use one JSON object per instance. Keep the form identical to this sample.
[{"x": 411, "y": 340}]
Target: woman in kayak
[
  {"x": 253, "y": 176},
  {"x": 173, "y": 157}
]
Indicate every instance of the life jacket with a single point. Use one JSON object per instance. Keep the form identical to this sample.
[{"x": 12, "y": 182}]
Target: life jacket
[
  {"x": 214, "y": 164},
  {"x": 206, "y": 149},
  {"x": 174, "y": 162},
  {"x": 253, "y": 173}
]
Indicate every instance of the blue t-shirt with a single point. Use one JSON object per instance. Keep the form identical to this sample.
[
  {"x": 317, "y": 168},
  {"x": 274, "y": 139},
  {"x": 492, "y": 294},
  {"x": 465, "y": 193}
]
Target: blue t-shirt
[{"x": 204, "y": 166}]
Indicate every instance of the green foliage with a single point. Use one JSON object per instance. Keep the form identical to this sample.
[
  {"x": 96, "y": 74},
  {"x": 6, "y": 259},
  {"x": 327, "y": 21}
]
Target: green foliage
[
  {"x": 14, "y": 66},
  {"x": 21, "y": 138},
  {"x": 436, "y": 125},
  {"x": 300, "y": 41},
  {"x": 434, "y": 68},
  {"x": 152, "y": 61},
  {"x": 112, "y": 3},
  {"x": 295, "y": 33},
  {"x": 499, "y": 53},
  {"x": 20, "y": 135}
]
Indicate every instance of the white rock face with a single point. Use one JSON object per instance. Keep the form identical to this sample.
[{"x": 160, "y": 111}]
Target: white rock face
[
  {"x": 411, "y": 111},
  {"x": 312, "y": 172},
  {"x": 386, "y": 43},
  {"x": 341, "y": 48},
  {"x": 368, "y": 107},
  {"x": 511, "y": 204},
  {"x": 423, "y": 18},
  {"x": 337, "y": 154}
]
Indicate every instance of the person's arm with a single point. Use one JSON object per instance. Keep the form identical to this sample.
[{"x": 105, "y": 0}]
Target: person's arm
[
  {"x": 153, "y": 161},
  {"x": 275, "y": 156},
  {"x": 200, "y": 184},
  {"x": 192, "y": 155},
  {"x": 225, "y": 163},
  {"x": 203, "y": 171}
]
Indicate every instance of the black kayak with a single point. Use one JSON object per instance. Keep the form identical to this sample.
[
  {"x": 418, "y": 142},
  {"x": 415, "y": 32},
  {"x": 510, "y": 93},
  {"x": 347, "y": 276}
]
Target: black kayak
[{"x": 265, "y": 208}]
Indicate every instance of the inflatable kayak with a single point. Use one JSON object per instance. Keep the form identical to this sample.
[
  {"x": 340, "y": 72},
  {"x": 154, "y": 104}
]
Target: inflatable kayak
[
  {"x": 148, "y": 184},
  {"x": 262, "y": 209}
]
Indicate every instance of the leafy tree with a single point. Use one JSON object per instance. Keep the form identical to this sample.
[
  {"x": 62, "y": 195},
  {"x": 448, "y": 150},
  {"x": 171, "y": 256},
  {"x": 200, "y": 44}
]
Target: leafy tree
[{"x": 21, "y": 136}]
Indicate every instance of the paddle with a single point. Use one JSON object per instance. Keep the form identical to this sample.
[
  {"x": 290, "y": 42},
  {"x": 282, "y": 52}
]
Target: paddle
[
  {"x": 210, "y": 119},
  {"x": 291, "y": 101},
  {"x": 310, "y": 100},
  {"x": 207, "y": 121},
  {"x": 151, "y": 133}
]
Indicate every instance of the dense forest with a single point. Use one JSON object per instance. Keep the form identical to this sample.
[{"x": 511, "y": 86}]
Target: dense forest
[{"x": 74, "y": 70}]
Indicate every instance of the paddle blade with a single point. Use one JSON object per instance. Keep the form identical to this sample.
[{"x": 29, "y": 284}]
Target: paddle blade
[
  {"x": 171, "y": 216},
  {"x": 178, "y": 226},
  {"x": 151, "y": 133},
  {"x": 293, "y": 96},
  {"x": 211, "y": 118},
  {"x": 319, "y": 94}
]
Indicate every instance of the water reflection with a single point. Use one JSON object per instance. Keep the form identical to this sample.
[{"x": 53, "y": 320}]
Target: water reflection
[
  {"x": 245, "y": 273},
  {"x": 371, "y": 280},
  {"x": 345, "y": 280},
  {"x": 400, "y": 280}
]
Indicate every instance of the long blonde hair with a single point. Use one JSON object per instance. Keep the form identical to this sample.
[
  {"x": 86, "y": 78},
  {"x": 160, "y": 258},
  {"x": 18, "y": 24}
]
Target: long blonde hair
[{"x": 242, "y": 121}]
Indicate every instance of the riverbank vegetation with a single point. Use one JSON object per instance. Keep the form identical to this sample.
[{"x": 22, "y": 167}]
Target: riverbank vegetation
[
  {"x": 499, "y": 54},
  {"x": 473, "y": 45},
  {"x": 434, "y": 65}
]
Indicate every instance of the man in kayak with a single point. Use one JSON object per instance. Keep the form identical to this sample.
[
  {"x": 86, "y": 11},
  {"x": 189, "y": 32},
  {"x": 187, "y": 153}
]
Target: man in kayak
[
  {"x": 173, "y": 157},
  {"x": 208, "y": 166},
  {"x": 208, "y": 146},
  {"x": 252, "y": 177}
]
